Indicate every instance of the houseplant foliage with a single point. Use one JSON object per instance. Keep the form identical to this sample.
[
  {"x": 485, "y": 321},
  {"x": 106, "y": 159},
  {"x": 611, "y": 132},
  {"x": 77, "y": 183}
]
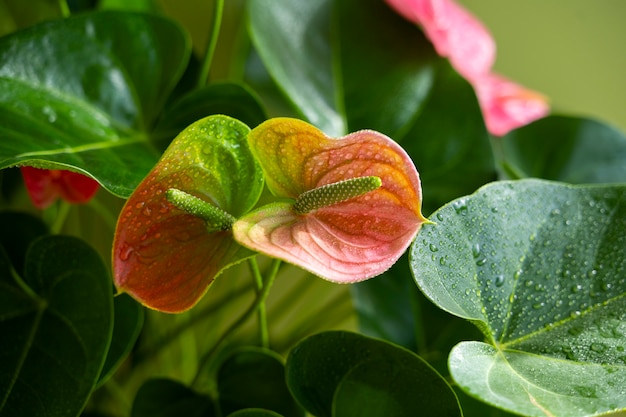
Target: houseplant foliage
[{"x": 483, "y": 239}]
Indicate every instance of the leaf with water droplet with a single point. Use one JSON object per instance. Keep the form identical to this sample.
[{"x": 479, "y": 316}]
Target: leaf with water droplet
[
  {"x": 554, "y": 315},
  {"x": 164, "y": 256},
  {"x": 342, "y": 239}
]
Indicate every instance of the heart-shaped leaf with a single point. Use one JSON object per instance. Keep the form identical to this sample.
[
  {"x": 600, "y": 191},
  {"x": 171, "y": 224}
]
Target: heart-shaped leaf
[
  {"x": 539, "y": 267},
  {"x": 255, "y": 378},
  {"x": 83, "y": 94},
  {"x": 345, "y": 241},
  {"x": 165, "y": 257},
  {"x": 56, "y": 322},
  {"x": 162, "y": 397},
  {"x": 568, "y": 149},
  {"x": 341, "y": 373}
]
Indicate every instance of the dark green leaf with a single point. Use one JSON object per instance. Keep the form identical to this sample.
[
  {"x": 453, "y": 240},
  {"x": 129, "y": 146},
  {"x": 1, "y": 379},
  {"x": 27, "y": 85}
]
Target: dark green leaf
[
  {"x": 449, "y": 142},
  {"x": 162, "y": 397},
  {"x": 254, "y": 412},
  {"x": 56, "y": 323},
  {"x": 319, "y": 366},
  {"x": 18, "y": 231},
  {"x": 84, "y": 93},
  {"x": 540, "y": 268},
  {"x": 127, "y": 324},
  {"x": 385, "y": 67},
  {"x": 293, "y": 39},
  {"x": 568, "y": 149},
  {"x": 255, "y": 378},
  {"x": 229, "y": 99}
]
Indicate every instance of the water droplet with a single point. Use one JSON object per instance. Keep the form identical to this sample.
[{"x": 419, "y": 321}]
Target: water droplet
[
  {"x": 439, "y": 216},
  {"x": 537, "y": 306},
  {"x": 481, "y": 261},
  {"x": 499, "y": 280},
  {"x": 598, "y": 347},
  {"x": 576, "y": 288},
  {"x": 476, "y": 250},
  {"x": 433, "y": 248},
  {"x": 460, "y": 206},
  {"x": 125, "y": 252}
]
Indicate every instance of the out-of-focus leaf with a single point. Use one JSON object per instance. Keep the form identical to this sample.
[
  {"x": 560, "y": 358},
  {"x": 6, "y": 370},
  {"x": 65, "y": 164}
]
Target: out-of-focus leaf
[
  {"x": 165, "y": 257},
  {"x": 254, "y": 412},
  {"x": 18, "y": 231},
  {"x": 161, "y": 397},
  {"x": 568, "y": 149},
  {"x": 127, "y": 324},
  {"x": 56, "y": 320},
  {"x": 540, "y": 268},
  {"x": 329, "y": 371},
  {"x": 84, "y": 93},
  {"x": 449, "y": 142},
  {"x": 255, "y": 378},
  {"x": 18, "y": 14}
]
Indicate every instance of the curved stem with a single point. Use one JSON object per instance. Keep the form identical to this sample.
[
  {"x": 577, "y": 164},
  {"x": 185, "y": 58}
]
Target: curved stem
[
  {"x": 61, "y": 214},
  {"x": 218, "y": 10},
  {"x": 259, "y": 300}
]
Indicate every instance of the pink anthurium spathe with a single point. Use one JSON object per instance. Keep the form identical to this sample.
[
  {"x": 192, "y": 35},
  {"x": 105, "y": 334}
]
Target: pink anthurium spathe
[
  {"x": 45, "y": 186},
  {"x": 173, "y": 235},
  {"x": 459, "y": 36},
  {"x": 351, "y": 205}
]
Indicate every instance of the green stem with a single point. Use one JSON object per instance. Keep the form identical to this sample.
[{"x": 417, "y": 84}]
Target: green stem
[
  {"x": 261, "y": 311},
  {"x": 218, "y": 10},
  {"x": 63, "y": 209},
  {"x": 65, "y": 10},
  {"x": 259, "y": 300}
]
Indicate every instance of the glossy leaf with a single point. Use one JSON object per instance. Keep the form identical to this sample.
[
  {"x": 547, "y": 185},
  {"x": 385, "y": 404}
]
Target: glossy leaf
[
  {"x": 568, "y": 149},
  {"x": 255, "y": 378},
  {"x": 384, "y": 67},
  {"x": 449, "y": 142},
  {"x": 84, "y": 93},
  {"x": 302, "y": 65},
  {"x": 127, "y": 324},
  {"x": 161, "y": 397},
  {"x": 330, "y": 371},
  {"x": 344, "y": 242},
  {"x": 539, "y": 267},
  {"x": 56, "y": 318},
  {"x": 165, "y": 257}
]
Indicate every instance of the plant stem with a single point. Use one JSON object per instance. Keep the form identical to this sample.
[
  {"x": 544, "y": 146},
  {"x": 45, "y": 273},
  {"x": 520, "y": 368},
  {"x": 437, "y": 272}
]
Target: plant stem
[
  {"x": 218, "y": 10},
  {"x": 259, "y": 300},
  {"x": 63, "y": 209},
  {"x": 65, "y": 9},
  {"x": 261, "y": 311}
]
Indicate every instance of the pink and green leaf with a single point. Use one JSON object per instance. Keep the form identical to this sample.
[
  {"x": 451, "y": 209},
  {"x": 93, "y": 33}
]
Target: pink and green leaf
[
  {"x": 346, "y": 241},
  {"x": 165, "y": 257}
]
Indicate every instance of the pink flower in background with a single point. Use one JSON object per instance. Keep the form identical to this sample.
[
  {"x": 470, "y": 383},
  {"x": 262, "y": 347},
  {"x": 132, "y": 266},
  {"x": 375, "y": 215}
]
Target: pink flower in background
[
  {"x": 457, "y": 35},
  {"x": 45, "y": 186}
]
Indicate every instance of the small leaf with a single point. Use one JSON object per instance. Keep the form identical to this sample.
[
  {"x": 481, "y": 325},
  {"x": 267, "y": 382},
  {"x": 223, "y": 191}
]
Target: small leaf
[
  {"x": 539, "y": 267},
  {"x": 343, "y": 240},
  {"x": 568, "y": 149},
  {"x": 162, "y": 397},
  {"x": 57, "y": 325},
  {"x": 338, "y": 370},
  {"x": 165, "y": 257},
  {"x": 255, "y": 378}
]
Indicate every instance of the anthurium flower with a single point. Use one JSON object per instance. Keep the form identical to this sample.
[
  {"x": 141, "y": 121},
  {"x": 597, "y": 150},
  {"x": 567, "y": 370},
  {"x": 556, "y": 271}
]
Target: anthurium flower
[
  {"x": 459, "y": 36},
  {"x": 507, "y": 105},
  {"x": 173, "y": 234},
  {"x": 45, "y": 186},
  {"x": 351, "y": 206}
]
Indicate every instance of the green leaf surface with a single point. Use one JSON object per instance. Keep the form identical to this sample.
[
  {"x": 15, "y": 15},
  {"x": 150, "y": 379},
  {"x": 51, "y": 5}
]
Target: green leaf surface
[
  {"x": 57, "y": 322},
  {"x": 540, "y": 267},
  {"x": 83, "y": 93},
  {"x": 332, "y": 371},
  {"x": 254, "y": 412},
  {"x": 293, "y": 40},
  {"x": 230, "y": 99},
  {"x": 161, "y": 397},
  {"x": 165, "y": 257},
  {"x": 18, "y": 231},
  {"x": 255, "y": 378},
  {"x": 568, "y": 149},
  {"x": 127, "y": 324},
  {"x": 449, "y": 142},
  {"x": 384, "y": 67}
]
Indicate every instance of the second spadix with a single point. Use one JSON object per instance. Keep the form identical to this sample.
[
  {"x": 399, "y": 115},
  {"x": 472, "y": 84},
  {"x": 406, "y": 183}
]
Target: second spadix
[{"x": 351, "y": 206}]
